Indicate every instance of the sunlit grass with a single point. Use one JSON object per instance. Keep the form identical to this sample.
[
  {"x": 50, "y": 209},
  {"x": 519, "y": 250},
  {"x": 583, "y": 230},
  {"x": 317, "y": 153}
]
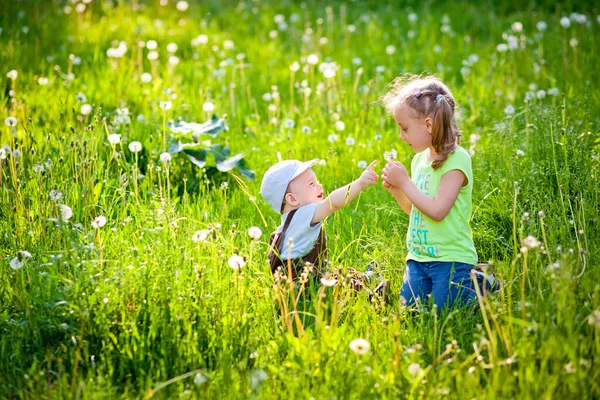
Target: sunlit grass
[{"x": 116, "y": 277}]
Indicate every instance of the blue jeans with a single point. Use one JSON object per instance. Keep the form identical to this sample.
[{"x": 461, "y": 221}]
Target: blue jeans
[{"x": 447, "y": 282}]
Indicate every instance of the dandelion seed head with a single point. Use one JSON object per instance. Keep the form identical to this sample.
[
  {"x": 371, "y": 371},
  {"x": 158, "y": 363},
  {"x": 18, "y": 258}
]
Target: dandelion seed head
[
  {"x": 114, "y": 138},
  {"x": 135, "y": 147},
  {"x": 332, "y": 138},
  {"x": 360, "y": 346},
  {"x": 55, "y": 195},
  {"x": 414, "y": 369},
  {"x": 65, "y": 212},
  {"x": 11, "y": 121},
  {"x": 86, "y": 109},
  {"x": 81, "y": 98},
  {"x": 165, "y": 157},
  {"x": 146, "y": 77},
  {"x": 99, "y": 222},
  {"x": 201, "y": 235},
  {"x": 255, "y": 233},
  {"x": 565, "y": 22},
  {"x": 236, "y": 262},
  {"x": 208, "y": 106}
]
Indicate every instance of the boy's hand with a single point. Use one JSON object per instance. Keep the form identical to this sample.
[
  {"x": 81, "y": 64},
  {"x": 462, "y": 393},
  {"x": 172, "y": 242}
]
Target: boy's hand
[
  {"x": 394, "y": 175},
  {"x": 368, "y": 177}
]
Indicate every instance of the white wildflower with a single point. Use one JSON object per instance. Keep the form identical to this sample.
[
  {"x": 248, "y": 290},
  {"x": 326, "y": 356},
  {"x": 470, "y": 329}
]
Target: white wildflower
[
  {"x": 255, "y": 233},
  {"x": 134, "y": 147},
  {"x": 236, "y": 262},
  {"x": 86, "y": 109},
  {"x": 165, "y": 157},
  {"x": 360, "y": 346},
  {"x": 65, "y": 212},
  {"x": 208, "y": 106},
  {"x": 114, "y": 138},
  {"x": 99, "y": 222}
]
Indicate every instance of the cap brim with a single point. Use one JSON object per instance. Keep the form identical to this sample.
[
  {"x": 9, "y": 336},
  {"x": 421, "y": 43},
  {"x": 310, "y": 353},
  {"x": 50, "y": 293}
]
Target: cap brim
[{"x": 303, "y": 167}]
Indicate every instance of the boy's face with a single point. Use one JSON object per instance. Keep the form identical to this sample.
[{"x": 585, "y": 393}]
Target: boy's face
[
  {"x": 415, "y": 131},
  {"x": 304, "y": 189}
]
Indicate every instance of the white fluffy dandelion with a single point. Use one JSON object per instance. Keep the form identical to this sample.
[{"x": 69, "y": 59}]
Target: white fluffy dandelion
[
  {"x": 99, "y": 222},
  {"x": 165, "y": 157},
  {"x": 114, "y": 138},
  {"x": 414, "y": 369},
  {"x": 236, "y": 262},
  {"x": 362, "y": 164},
  {"x": 86, "y": 109},
  {"x": 166, "y": 105},
  {"x": 312, "y": 59},
  {"x": 135, "y": 147},
  {"x": 390, "y": 49},
  {"x": 65, "y": 212},
  {"x": 531, "y": 242},
  {"x": 11, "y": 121},
  {"x": 12, "y": 74},
  {"x": 360, "y": 346},
  {"x": 208, "y": 106},
  {"x": 200, "y": 236},
  {"x": 146, "y": 77},
  {"x": 55, "y": 195},
  {"x": 340, "y": 125},
  {"x": 255, "y": 233}
]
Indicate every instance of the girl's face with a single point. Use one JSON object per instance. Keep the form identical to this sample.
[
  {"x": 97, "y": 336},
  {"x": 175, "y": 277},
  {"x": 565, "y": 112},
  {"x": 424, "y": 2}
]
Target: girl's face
[{"x": 414, "y": 130}]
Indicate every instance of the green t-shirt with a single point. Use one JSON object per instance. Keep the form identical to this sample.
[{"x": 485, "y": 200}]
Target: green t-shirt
[{"x": 449, "y": 239}]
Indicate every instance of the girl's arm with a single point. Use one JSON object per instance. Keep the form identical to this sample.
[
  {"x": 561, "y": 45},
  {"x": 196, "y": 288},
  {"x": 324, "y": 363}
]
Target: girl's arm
[
  {"x": 436, "y": 207},
  {"x": 403, "y": 201},
  {"x": 344, "y": 195},
  {"x": 439, "y": 206}
]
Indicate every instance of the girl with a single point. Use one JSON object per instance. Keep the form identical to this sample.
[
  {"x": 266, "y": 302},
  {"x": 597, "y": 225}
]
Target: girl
[{"x": 441, "y": 252}]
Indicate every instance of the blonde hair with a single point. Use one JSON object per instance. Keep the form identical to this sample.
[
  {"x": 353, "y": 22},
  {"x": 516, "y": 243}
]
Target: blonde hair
[{"x": 429, "y": 98}]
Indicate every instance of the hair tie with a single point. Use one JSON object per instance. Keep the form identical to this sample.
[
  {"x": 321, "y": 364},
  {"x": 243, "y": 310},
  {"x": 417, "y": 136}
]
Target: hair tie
[
  {"x": 418, "y": 94},
  {"x": 439, "y": 97}
]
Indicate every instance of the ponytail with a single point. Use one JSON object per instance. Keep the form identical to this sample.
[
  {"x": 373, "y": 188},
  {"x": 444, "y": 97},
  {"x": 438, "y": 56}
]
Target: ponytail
[{"x": 445, "y": 134}]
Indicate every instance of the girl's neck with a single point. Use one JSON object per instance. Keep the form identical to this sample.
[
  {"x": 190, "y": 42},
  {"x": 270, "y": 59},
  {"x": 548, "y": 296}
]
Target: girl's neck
[{"x": 433, "y": 155}]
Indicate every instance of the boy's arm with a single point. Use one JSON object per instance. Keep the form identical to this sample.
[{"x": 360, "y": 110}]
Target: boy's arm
[{"x": 344, "y": 195}]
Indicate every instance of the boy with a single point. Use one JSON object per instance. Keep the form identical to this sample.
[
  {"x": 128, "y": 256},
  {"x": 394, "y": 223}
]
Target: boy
[{"x": 291, "y": 188}]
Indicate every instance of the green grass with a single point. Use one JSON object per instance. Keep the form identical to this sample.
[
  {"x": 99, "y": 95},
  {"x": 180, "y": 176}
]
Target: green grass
[{"x": 137, "y": 309}]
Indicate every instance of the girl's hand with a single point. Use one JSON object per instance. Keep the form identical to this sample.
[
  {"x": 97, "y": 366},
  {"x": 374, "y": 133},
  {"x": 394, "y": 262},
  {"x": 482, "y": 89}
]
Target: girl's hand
[
  {"x": 368, "y": 177},
  {"x": 394, "y": 174}
]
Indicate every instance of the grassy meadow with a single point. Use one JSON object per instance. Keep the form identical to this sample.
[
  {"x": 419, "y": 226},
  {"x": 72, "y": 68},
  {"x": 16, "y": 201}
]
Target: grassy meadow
[{"x": 128, "y": 266}]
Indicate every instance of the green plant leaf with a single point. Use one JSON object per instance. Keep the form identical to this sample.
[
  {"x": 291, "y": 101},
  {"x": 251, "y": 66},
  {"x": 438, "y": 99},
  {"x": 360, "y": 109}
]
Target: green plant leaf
[
  {"x": 198, "y": 157},
  {"x": 229, "y": 163},
  {"x": 211, "y": 127}
]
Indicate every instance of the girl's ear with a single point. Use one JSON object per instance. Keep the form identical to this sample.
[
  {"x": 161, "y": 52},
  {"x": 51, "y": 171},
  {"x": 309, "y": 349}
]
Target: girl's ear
[{"x": 429, "y": 125}]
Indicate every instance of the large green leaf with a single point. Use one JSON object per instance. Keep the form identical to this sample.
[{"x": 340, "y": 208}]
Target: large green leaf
[
  {"x": 211, "y": 127},
  {"x": 198, "y": 157},
  {"x": 229, "y": 163}
]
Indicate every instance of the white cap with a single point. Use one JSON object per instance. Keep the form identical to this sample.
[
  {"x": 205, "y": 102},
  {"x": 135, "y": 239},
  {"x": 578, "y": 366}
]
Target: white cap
[{"x": 278, "y": 177}]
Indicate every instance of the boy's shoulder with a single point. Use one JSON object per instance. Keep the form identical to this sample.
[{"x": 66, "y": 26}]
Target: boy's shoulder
[{"x": 302, "y": 215}]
